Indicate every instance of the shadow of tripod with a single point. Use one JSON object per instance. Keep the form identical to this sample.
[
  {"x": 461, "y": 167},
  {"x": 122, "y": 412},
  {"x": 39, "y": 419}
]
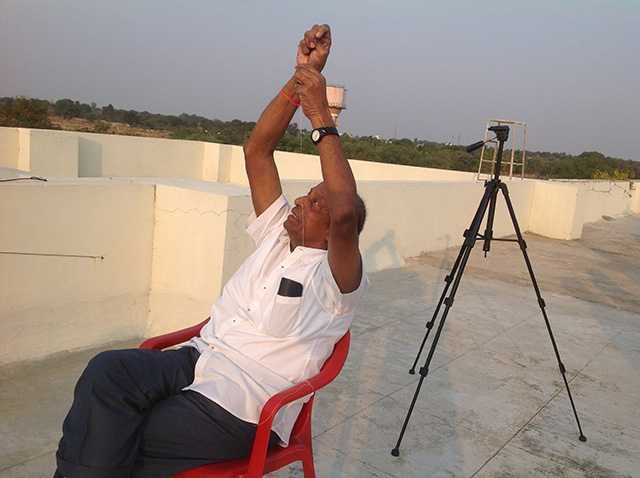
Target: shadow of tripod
[{"x": 487, "y": 206}]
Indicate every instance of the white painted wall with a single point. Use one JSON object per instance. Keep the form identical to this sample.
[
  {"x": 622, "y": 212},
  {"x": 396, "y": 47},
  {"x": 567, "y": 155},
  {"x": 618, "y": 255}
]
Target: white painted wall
[
  {"x": 556, "y": 210},
  {"x": 75, "y": 262},
  {"x": 50, "y": 153},
  {"x": 199, "y": 242},
  {"x": 606, "y": 198},
  {"x": 136, "y": 157},
  {"x": 9, "y": 149},
  {"x": 86, "y": 260}
]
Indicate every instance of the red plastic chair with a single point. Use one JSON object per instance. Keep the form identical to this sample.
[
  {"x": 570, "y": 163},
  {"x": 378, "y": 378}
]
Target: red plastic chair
[{"x": 264, "y": 460}]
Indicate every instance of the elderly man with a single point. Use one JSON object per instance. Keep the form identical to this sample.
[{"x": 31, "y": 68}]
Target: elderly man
[{"x": 153, "y": 414}]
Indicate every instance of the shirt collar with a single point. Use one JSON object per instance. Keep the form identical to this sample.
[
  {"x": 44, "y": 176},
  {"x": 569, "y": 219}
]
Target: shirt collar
[{"x": 306, "y": 254}]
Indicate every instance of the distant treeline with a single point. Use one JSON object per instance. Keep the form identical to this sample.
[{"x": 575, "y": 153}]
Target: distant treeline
[{"x": 35, "y": 113}]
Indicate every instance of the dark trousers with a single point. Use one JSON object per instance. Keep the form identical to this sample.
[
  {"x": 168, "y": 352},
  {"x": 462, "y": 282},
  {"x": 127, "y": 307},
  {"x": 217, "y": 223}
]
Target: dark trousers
[{"x": 130, "y": 418}]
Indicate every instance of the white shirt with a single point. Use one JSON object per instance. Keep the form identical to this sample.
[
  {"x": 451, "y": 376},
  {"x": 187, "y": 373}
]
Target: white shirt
[{"x": 258, "y": 342}]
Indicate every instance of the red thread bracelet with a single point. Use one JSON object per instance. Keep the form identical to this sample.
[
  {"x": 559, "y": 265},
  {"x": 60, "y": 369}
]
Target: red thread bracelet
[{"x": 289, "y": 99}]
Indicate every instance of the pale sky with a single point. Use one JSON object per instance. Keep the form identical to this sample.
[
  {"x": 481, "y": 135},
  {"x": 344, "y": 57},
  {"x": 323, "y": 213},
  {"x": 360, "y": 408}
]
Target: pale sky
[{"x": 435, "y": 70}]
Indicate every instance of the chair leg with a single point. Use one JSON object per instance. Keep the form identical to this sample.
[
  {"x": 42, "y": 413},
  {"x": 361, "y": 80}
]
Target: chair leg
[{"x": 307, "y": 467}]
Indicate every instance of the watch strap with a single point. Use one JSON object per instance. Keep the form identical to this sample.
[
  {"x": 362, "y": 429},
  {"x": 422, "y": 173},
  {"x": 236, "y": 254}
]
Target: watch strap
[{"x": 324, "y": 131}]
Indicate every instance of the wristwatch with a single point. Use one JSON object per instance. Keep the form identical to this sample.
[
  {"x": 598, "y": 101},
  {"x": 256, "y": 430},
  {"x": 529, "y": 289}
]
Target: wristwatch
[{"x": 319, "y": 133}]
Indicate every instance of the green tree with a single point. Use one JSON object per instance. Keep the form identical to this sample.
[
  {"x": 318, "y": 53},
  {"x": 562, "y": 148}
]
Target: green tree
[
  {"x": 25, "y": 113},
  {"x": 363, "y": 148},
  {"x": 66, "y": 108},
  {"x": 131, "y": 117},
  {"x": 108, "y": 112}
]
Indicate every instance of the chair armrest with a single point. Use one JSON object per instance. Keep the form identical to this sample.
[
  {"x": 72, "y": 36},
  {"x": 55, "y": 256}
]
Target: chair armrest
[
  {"x": 329, "y": 371},
  {"x": 173, "y": 338}
]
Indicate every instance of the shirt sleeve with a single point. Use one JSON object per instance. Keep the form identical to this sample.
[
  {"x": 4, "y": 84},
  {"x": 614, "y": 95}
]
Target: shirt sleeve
[
  {"x": 343, "y": 303},
  {"x": 260, "y": 227}
]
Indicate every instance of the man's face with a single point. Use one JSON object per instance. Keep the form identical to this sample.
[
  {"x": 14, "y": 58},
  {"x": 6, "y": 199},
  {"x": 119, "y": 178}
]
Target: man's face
[{"x": 308, "y": 223}]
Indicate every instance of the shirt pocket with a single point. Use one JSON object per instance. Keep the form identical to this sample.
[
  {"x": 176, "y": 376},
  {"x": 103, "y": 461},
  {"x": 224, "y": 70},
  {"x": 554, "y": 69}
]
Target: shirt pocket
[{"x": 284, "y": 316}]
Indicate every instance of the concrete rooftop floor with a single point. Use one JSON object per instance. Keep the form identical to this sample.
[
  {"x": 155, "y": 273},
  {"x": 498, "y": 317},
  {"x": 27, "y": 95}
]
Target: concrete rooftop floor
[{"x": 493, "y": 404}]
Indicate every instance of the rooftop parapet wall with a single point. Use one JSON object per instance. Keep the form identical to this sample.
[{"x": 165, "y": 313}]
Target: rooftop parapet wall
[
  {"x": 411, "y": 218},
  {"x": 40, "y": 152},
  {"x": 9, "y": 148},
  {"x": 77, "y": 154},
  {"x": 199, "y": 242},
  {"x": 604, "y": 197},
  {"x": 93, "y": 260},
  {"x": 85, "y": 261},
  {"x": 88, "y": 261},
  {"x": 104, "y": 155},
  {"x": 75, "y": 262}
]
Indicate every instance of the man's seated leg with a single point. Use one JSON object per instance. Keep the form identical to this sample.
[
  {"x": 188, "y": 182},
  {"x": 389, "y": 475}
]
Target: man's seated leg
[
  {"x": 101, "y": 431},
  {"x": 189, "y": 430}
]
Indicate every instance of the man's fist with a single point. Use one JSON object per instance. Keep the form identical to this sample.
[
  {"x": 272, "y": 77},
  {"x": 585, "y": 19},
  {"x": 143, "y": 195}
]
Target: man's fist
[{"x": 314, "y": 47}]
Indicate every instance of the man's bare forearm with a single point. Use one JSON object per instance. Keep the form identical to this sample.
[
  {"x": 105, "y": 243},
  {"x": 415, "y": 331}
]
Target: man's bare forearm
[
  {"x": 273, "y": 122},
  {"x": 259, "y": 149},
  {"x": 336, "y": 171},
  {"x": 262, "y": 172}
]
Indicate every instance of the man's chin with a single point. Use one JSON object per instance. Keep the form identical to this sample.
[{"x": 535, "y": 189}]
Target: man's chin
[{"x": 290, "y": 225}]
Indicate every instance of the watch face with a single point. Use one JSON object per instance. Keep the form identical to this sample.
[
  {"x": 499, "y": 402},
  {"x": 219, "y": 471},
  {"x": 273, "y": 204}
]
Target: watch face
[{"x": 315, "y": 135}]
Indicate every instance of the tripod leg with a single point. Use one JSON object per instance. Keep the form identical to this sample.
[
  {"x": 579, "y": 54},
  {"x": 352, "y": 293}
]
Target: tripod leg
[
  {"x": 488, "y": 233},
  {"x": 429, "y": 324},
  {"x": 541, "y": 303},
  {"x": 424, "y": 371},
  {"x": 471, "y": 236}
]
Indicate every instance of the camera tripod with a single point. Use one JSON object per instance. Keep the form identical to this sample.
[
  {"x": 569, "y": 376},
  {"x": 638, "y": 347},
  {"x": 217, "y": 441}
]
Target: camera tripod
[{"x": 471, "y": 235}]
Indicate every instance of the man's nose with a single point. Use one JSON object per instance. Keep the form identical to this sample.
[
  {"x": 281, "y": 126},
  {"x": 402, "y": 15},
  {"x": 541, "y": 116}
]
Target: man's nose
[{"x": 298, "y": 201}]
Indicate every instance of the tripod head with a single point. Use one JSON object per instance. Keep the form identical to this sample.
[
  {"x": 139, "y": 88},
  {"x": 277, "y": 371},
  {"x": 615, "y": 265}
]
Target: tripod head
[
  {"x": 501, "y": 131},
  {"x": 502, "y": 134}
]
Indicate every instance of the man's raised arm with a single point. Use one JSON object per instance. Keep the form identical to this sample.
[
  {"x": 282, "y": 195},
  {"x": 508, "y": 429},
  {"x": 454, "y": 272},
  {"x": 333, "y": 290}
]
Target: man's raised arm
[
  {"x": 264, "y": 180},
  {"x": 346, "y": 210}
]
